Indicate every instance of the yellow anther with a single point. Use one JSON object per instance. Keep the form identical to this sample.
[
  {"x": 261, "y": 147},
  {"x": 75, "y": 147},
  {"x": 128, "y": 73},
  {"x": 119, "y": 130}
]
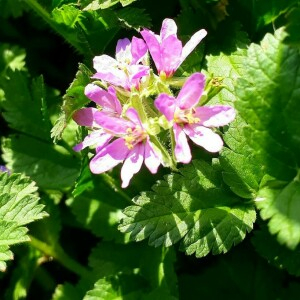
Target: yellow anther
[{"x": 185, "y": 117}]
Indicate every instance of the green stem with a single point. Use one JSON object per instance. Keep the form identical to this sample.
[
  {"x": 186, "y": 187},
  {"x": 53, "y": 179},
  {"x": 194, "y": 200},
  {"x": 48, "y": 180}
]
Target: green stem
[
  {"x": 172, "y": 144},
  {"x": 165, "y": 153},
  {"x": 137, "y": 103},
  {"x": 58, "y": 254}
]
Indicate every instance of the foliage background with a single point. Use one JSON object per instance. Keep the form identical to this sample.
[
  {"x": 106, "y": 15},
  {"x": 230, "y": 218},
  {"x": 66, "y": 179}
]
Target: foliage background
[{"x": 242, "y": 204}]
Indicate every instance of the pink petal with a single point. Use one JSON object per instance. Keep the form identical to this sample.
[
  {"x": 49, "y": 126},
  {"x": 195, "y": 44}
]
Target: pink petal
[
  {"x": 113, "y": 76},
  {"x": 138, "y": 50},
  {"x": 133, "y": 116},
  {"x": 123, "y": 53},
  {"x": 98, "y": 137},
  {"x": 171, "y": 49},
  {"x": 86, "y": 117},
  {"x": 204, "y": 137},
  {"x": 168, "y": 28},
  {"x": 166, "y": 104},
  {"x": 132, "y": 164},
  {"x": 214, "y": 116},
  {"x": 153, "y": 42},
  {"x": 138, "y": 71},
  {"x": 117, "y": 105},
  {"x": 191, "y": 91},
  {"x": 109, "y": 157},
  {"x": 182, "y": 149},
  {"x": 113, "y": 125},
  {"x": 103, "y": 62},
  {"x": 106, "y": 99},
  {"x": 192, "y": 43},
  {"x": 152, "y": 160}
]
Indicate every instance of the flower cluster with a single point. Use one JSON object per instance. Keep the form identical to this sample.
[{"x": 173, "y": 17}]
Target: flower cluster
[{"x": 134, "y": 105}]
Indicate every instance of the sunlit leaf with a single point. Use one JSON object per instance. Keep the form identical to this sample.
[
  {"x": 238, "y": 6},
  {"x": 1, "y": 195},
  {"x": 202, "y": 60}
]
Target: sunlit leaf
[
  {"x": 18, "y": 207},
  {"x": 192, "y": 207}
]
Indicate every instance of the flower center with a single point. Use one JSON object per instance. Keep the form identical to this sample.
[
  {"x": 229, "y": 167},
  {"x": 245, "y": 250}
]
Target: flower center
[
  {"x": 134, "y": 136},
  {"x": 185, "y": 116}
]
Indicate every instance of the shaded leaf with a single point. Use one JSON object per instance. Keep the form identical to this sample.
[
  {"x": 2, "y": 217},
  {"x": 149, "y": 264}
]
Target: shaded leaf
[
  {"x": 11, "y": 57},
  {"x": 114, "y": 287},
  {"x": 11, "y": 8},
  {"x": 133, "y": 17},
  {"x": 293, "y": 28},
  {"x": 97, "y": 205},
  {"x": 52, "y": 167},
  {"x": 282, "y": 206},
  {"x": 278, "y": 255},
  {"x": 23, "y": 103},
  {"x": 24, "y": 273}
]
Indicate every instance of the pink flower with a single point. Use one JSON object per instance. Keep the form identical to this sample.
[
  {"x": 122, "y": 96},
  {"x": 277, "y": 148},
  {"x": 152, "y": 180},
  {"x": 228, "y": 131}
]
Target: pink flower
[
  {"x": 110, "y": 105},
  {"x": 126, "y": 70},
  {"x": 190, "y": 120},
  {"x": 166, "y": 49},
  {"x": 132, "y": 147}
]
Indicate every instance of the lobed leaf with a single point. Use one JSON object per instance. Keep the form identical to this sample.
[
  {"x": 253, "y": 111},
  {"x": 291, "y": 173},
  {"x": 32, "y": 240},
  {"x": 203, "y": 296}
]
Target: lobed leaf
[
  {"x": 262, "y": 148},
  {"x": 22, "y": 103},
  {"x": 52, "y": 167},
  {"x": 18, "y": 207},
  {"x": 88, "y": 31},
  {"x": 73, "y": 100},
  {"x": 193, "y": 207},
  {"x": 102, "y": 4}
]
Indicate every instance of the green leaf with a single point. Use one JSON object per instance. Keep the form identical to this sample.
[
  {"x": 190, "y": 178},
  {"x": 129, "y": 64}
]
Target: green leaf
[
  {"x": 96, "y": 204},
  {"x": 24, "y": 273},
  {"x": 51, "y": 166},
  {"x": 240, "y": 274},
  {"x": 117, "y": 287},
  {"x": 73, "y": 99},
  {"x": 242, "y": 170},
  {"x": 192, "y": 206},
  {"x": 88, "y": 31},
  {"x": 11, "y": 57},
  {"x": 18, "y": 207},
  {"x": 157, "y": 266},
  {"x": 282, "y": 206},
  {"x": 102, "y": 4},
  {"x": 278, "y": 255},
  {"x": 261, "y": 146},
  {"x": 11, "y": 8},
  {"x": 226, "y": 61},
  {"x": 21, "y": 93},
  {"x": 133, "y": 17},
  {"x": 66, "y": 292},
  {"x": 293, "y": 28},
  {"x": 261, "y": 13},
  {"x": 48, "y": 230},
  {"x": 109, "y": 258}
]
